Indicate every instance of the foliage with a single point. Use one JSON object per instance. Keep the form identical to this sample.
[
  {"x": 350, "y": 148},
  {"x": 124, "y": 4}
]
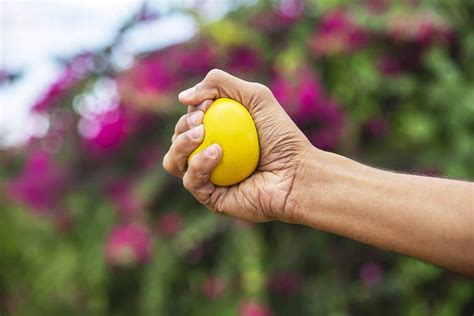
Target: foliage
[{"x": 90, "y": 224}]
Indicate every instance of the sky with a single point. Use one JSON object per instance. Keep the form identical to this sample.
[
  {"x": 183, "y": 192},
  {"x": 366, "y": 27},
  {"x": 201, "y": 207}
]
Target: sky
[{"x": 33, "y": 33}]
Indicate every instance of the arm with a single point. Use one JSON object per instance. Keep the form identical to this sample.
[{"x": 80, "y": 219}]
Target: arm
[{"x": 428, "y": 218}]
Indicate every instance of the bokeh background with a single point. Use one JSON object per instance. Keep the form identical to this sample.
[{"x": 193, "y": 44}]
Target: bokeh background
[{"x": 90, "y": 224}]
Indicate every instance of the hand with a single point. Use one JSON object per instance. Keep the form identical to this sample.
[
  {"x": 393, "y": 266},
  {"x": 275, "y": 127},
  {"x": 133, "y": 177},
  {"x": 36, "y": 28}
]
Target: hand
[{"x": 265, "y": 195}]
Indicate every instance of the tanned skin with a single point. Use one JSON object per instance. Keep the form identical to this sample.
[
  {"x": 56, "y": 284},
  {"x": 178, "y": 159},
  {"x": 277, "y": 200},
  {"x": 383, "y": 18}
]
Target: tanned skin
[{"x": 431, "y": 219}]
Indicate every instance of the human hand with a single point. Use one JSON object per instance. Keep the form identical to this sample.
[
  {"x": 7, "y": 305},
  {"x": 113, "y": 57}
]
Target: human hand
[{"x": 266, "y": 194}]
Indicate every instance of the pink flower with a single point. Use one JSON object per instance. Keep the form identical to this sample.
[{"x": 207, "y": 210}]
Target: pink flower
[
  {"x": 244, "y": 60},
  {"x": 338, "y": 33},
  {"x": 276, "y": 21},
  {"x": 253, "y": 308},
  {"x": 422, "y": 28},
  {"x": 291, "y": 8},
  {"x": 284, "y": 284},
  {"x": 74, "y": 70},
  {"x": 371, "y": 273},
  {"x": 122, "y": 193},
  {"x": 214, "y": 287},
  {"x": 128, "y": 245},
  {"x": 170, "y": 223},
  {"x": 300, "y": 98},
  {"x": 55, "y": 91},
  {"x": 150, "y": 75},
  {"x": 310, "y": 96},
  {"x": 325, "y": 138},
  {"x": 40, "y": 184},
  {"x": 321, "y": 117},
  {"x": 105, "y": 132},
  {"x": 196, "y": 60},
  {"x": 163, "y": 71},
  {"x": 378, "y": 6}
]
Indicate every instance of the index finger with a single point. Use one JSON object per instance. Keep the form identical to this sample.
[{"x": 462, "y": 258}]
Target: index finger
[{"x": 216, "y": 84}]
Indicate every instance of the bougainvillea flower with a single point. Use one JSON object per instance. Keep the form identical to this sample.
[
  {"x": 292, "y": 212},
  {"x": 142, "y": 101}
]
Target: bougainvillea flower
[
  {"x": 106, "y": 132},
  {"x": 253, "y": 308},
  {"x": 128, "y": 245},
  {"x": 40, "y": 183},
  {"x": 338, "y": 33},
  {"x": 170, "y": 223},
  {"x": 214, "y": 287}
]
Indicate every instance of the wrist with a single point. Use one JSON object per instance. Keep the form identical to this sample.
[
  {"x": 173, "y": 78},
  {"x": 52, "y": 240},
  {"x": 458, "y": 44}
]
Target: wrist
[{"x": 322, "y": 189}]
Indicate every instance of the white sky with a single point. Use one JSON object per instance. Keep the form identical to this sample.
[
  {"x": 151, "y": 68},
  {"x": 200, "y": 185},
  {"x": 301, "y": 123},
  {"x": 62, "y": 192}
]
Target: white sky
[{"x": 34, "y": 33}]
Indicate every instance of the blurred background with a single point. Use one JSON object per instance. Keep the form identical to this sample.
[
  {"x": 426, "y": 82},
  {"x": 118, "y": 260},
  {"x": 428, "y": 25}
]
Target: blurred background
[{"x": 90, "y": 224}]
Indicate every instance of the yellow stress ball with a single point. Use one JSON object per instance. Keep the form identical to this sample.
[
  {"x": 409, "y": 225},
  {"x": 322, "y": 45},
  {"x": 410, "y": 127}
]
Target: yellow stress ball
[{"x": 229, "y": 124}]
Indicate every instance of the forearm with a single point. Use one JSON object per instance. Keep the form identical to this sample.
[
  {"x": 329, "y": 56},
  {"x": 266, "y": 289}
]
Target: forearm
[{"x": 431, "y": 219}]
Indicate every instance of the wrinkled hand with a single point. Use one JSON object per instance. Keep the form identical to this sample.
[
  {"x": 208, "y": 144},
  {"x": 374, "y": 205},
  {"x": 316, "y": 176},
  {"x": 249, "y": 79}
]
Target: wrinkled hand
[{"x": 265, "y": 195}]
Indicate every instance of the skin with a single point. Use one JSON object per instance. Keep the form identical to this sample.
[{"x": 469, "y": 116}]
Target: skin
[{"x": 428, "y": 218}]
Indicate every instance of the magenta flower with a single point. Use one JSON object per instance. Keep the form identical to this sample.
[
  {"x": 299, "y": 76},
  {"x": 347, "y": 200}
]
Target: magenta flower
[
  {"x": 371, "y": 273},
  {"x": 291, "y": 9},
  {"x": 278, "y": 20},
  {"x": 310, "y": 96},
  {"x": 253, "y": 308},
  {"x": 304, "y": 100},
  {"x": 55, "y": 91},
  {"x": 151, "y": 75},
  {"x": 422, "y": 28},
  {"x": 162, "y": 72},
  {"x": 122, "y": 194},
  {"x": 214, "y": 287},
  {"x": 338, "y": 33},
  {"x": 169, "y": 224},
  {"x": 40, "y": 184},
  {"x": 325, "y": 138},
  {"x": 300, "y": 98},
  {"x": 74, "y": 70},
  {"x": 191, "y": 60},
  {"x": 244, "y": 60},
  {"x": 284, "y": 284},
  {"x": 105, "y": 132},
  {"x": 128, "y": 245}
]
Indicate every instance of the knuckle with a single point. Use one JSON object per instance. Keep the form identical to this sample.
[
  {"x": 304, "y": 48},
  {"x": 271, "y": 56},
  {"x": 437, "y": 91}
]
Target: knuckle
[
  {"x": 215, "y": 75},
  {"x": 187, "y": 183},
  {"x": 167, "y": 163},
  {"x": 181, "y": 122},
  {"x": 181, "y": 142},
  {"x": 262, "y": 89}
]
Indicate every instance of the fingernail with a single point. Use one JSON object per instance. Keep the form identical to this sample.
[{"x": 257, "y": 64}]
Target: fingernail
[
  {"x": 212, "y": 151},
  {"x": 187, "y": 93},
  {"x": 194, "y": 119},
  {"x": 196, "y": 132}
]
